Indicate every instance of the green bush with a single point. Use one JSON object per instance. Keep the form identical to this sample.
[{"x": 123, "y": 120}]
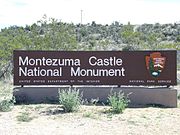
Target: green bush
[
  {"x": 71, "y": 99},
  {"x": 118, "y": 101},
  {"x": 7, "y": 104}
]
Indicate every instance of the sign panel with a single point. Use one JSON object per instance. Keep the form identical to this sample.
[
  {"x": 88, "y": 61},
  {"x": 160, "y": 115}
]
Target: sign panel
[{"x": 95, "y": 68}]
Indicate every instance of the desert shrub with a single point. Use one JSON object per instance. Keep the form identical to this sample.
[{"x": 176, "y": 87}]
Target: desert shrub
[
  {"x": 24, "y": 117},
  {"x": 6, "y": 99},
  {"x": 70, "y": 99},
  {"x": 7, "y": 104},
  {"x": 118, "y": 101}
]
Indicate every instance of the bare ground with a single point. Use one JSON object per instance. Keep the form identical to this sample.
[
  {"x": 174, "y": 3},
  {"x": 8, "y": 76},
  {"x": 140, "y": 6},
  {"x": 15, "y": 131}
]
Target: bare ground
[{"x": 90, "y": 120}]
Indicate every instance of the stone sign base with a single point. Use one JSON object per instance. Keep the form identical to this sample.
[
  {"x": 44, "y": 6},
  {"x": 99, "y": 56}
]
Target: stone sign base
[{"x": 140, "y": 96}]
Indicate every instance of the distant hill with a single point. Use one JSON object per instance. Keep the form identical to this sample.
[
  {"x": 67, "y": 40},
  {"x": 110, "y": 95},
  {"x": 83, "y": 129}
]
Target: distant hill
[
  {"x": 50, "y": 34},
  {"x": 146, "y": 36}
]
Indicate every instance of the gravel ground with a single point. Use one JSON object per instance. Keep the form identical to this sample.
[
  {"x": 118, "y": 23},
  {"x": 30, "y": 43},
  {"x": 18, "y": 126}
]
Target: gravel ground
[{"x": 90, "y": 120}]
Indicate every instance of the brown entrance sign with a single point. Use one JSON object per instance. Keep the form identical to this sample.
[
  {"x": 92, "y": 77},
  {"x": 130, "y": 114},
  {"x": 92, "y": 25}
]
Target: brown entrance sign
[{"x": 94, "y": 68}]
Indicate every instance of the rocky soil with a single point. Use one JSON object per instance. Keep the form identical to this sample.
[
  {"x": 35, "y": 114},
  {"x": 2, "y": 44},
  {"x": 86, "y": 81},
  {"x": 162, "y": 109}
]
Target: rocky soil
[{"x": 90, "y": 120}]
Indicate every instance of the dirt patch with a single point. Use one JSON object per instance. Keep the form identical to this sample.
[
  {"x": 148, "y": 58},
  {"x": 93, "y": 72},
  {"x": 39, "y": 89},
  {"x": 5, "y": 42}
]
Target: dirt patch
[{"x": 90, "y": 120}]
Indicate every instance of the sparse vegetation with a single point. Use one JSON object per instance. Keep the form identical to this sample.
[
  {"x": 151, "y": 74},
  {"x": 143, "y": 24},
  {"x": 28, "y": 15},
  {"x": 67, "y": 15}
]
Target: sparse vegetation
[
  {"x": 89, "y": 120},
  {"x": 70, "y": 99},
  {"x": 6, "y": 99},
  {"x": 24, "y": 117},
  {"x": 118, "y": 102},
  {"x": 5, "y": 90},
  {"x": 7, "y": 104},
  {"x": 37, "y": 108},
  {"x": 89, "y": 114}
]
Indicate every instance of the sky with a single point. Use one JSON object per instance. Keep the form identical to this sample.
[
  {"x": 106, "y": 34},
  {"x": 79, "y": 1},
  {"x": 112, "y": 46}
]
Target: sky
[{"x": 27, "y": 12}]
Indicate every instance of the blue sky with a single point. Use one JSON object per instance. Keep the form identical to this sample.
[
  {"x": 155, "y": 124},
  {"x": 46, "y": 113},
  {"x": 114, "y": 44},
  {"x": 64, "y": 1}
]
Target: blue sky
[{"x": 22, "y": 12}]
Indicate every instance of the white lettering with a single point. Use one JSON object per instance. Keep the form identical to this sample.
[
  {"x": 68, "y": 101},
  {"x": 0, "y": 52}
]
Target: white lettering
[
  {"x": 111, "y": 61},
  {"x": 37, "y": 71},
  {"x": 48, "y": 62},
  {"x": 97, "y": 72},
  {"x": 25, "y": 62}
]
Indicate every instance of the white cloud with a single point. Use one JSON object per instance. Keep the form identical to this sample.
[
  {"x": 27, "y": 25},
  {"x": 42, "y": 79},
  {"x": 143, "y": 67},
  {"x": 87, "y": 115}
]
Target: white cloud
[{"x": 21, "y": 12}]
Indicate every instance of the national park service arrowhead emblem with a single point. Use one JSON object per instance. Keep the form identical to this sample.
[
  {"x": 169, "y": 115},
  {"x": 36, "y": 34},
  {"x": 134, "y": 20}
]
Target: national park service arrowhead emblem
[{"x": 155, "y": 63}]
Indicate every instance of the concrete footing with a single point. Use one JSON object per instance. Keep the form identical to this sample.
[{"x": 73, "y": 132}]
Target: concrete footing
[{"x": 139, "y": 95}]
